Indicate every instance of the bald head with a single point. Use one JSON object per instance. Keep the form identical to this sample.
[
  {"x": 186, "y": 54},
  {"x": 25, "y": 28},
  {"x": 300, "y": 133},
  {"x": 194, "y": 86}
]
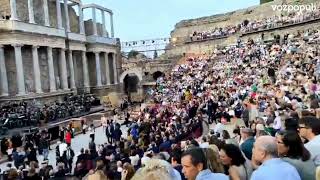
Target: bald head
[{"x": 265, "y": 148}]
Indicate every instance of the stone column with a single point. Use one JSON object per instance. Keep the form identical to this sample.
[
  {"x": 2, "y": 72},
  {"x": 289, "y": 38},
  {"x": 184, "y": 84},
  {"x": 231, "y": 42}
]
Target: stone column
[
  {"x": 85, "y": 70},
  {"x": 111, "y": 24},
  {"x": 3, "y": 74},
  {"x": 13, "y": 8},
  {"x": 36, "y": 69},
  {"x": 98, "y": 69},
  {"x": 63, "y": 69},
  {"x": 31, "y": 12},
  {"x": 67, "y": 15},
  {"x": 72, "y": 80},
  {"x": 46, "y": 13},
  {"x": 59, "y": 18},
  {"x": 81, "y": 22},
  {"x": 104, "y": 32},
  {"x": 52, "y": 79},
  {"x": 115, "y": 73},
  {"x": 19, "y": 69},
  {"x": 94, "y": 21},
  {"x": 106, "y": 57}
]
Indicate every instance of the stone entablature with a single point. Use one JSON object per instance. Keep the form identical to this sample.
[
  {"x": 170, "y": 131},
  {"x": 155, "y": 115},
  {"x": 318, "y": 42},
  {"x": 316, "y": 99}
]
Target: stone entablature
[{"x": 31, "y": 39}]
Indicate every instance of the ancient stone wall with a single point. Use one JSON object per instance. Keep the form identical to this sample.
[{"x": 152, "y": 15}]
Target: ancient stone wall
[
  {"x": 103, "y": 68},
  {"x": 28, "y": 68},
  {"x": 77, "y": 58},
  {"x": 89, "y": 27},
  {"x": 44, "y": 70},
  {"x": 11, "y": 69},
  {"x": 111, "y": 74},
  {"x": 92, "y": 69}
]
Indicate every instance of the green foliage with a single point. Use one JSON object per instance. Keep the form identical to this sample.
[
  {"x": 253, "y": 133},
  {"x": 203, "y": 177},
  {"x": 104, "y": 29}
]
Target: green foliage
[
  {"x": 133, "y": 54},
  {"x": 265, "y": 1}
]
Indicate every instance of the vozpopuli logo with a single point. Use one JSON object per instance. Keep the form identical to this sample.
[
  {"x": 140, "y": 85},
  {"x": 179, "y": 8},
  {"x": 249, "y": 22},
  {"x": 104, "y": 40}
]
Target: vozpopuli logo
[{"x": 296, "y": 8}]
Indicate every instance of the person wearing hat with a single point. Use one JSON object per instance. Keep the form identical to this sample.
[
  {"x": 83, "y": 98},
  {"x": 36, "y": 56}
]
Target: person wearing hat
[{"x": 248, "y": 141}]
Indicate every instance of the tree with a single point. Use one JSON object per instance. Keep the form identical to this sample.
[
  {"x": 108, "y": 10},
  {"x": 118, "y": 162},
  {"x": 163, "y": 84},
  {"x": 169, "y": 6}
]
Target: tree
[
  {"x": 133, "y": 54},
  {"x": 155, "y": 55},
  {"x": 265, "y": 1}
]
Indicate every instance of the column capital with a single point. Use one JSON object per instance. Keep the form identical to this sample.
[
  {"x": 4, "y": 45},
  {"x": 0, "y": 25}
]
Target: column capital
[
  {"x": 1, "y": 45},
  {"x": 16, "y": 45},
  {"x": 35, "y": 46}
]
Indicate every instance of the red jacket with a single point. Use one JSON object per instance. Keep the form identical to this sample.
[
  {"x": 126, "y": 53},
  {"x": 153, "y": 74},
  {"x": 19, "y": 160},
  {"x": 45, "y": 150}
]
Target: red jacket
[{"x": 68, "y": 137}]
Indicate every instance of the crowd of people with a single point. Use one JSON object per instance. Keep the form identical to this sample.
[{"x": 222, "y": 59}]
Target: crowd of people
[
  {"x": 23, "y": 114},
  {"x": 260, "y": 101},
  {"x": 256, "y": 25}
]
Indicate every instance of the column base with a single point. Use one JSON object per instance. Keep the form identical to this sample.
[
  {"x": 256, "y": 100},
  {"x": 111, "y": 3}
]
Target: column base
[
  {"x": 14, "y": 19},
  {"x": 21, "y": 94},
  {"x": 39, "y": 92},
  {"x": 4, "y": 95},
  {"x": 53, "y": 90}
]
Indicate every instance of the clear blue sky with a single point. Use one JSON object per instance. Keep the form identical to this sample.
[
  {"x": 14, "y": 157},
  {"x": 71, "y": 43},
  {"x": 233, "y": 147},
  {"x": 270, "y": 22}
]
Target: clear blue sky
[{"x": 147, "y": 19}]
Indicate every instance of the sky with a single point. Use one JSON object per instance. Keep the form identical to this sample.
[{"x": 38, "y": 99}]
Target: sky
[{"x": 151, "y": 19}]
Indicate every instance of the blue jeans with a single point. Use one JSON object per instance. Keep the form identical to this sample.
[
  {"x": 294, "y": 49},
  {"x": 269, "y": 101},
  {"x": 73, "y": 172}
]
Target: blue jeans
[{"x": 45, "y": 153}]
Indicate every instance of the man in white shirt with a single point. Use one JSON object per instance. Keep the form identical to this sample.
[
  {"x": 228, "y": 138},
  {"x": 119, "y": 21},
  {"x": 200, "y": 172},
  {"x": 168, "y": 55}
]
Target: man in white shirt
[
  {"x": 104, "y": 122},
  {"x": 309, "y": 128},
  {"x": 62, "y": 147},
  {"x": 277, "y": 122}
]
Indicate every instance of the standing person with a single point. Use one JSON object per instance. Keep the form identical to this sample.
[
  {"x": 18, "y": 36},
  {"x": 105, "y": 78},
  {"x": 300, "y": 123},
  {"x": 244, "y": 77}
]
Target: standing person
[
  {"x": 115, "y": 117},
  {"x": 117, "y": 133},
  {"x": 58, "y": 154},
  {"x": 265, "y": 152},
  {"x": 68, "y": 158},
  {"x": 45, "y": 146},
  {"x": 83, "y": 125},
  {"x": 211, "y": 110},
  {"x": 92, "y": 147},
  {"x": 61, "y": 134},
  {"x": 92, "y": 131},
  {"x": 68, "y": 138},
  {"x": 110, "y": 131},
  {"x": 104, "y": 122},
  {"x": 48, "y": 137}
]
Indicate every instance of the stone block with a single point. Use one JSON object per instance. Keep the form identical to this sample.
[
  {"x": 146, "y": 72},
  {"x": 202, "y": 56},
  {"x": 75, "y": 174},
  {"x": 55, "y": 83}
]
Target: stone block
[{"x": 5, "y": 12}]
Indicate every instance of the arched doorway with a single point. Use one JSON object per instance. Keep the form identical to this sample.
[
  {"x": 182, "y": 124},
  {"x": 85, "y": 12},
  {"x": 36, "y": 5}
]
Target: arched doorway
[
  {"x": 131, "y": 82},
  {"x": 157, "y": 74}
]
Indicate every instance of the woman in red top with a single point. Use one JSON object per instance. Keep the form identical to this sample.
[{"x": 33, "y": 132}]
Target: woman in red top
[{"x": 68, "y": 138}]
